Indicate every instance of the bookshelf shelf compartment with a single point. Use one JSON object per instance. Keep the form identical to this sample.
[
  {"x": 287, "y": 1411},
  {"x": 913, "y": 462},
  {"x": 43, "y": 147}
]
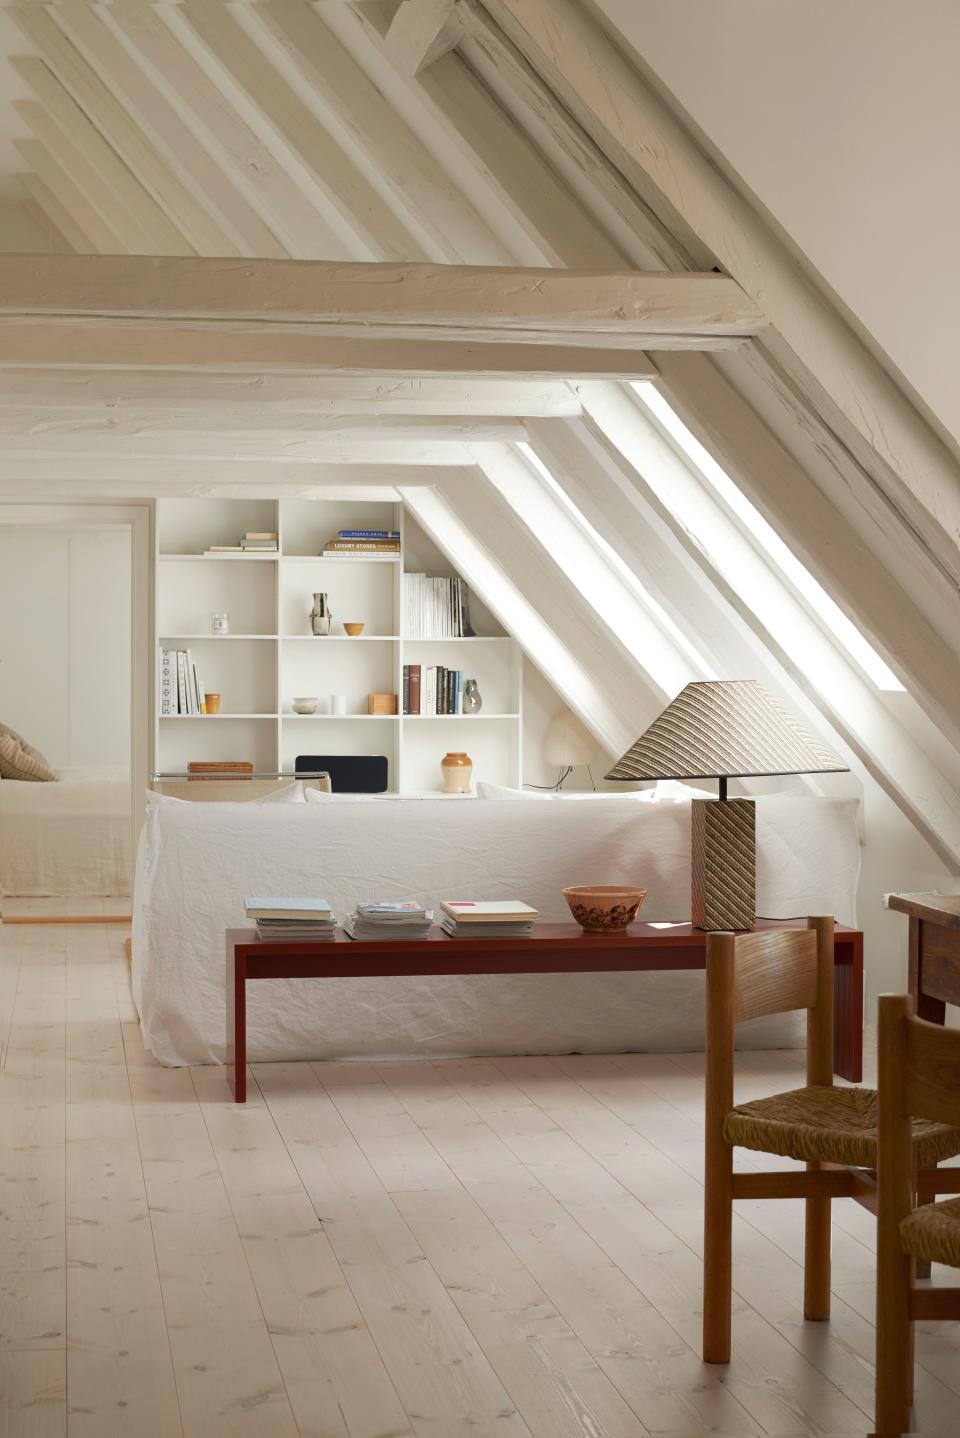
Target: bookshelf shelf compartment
[{"x": 271, "y": 655}]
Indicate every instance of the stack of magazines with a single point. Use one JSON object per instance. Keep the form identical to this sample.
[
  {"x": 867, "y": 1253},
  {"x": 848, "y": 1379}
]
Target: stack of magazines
[
  {"x": 385, "y": 920},
  {"x": 488, "y": 919},
  {"x": 292, "y": 918}
]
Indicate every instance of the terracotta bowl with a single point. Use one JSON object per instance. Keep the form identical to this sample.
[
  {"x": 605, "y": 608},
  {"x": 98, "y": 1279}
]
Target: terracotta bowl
[
  {"x": 354, "y": 629},
  {"x": 604, "y": 908}
]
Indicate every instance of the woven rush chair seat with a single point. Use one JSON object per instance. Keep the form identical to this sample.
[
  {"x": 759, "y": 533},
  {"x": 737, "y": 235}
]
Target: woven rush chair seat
[
  {"x": 933, "y": 1232},
  {"x": 819, "y": 1124}
]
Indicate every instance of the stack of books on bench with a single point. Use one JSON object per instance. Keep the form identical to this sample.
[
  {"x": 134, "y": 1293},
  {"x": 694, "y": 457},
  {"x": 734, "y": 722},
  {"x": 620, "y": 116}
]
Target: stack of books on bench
[
  {"x": 292, "y": 918},
  {"x": 384, "y": 920},
  {"x": 488, "y": 919}
]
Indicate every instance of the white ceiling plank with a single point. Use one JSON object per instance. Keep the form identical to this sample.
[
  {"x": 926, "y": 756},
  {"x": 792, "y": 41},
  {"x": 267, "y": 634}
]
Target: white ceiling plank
[
  {"x": 59, "y": 122},
  {"x": 97, "y": 99},
  {"x": 422, "y": 32},
  {"x": 824, "y": 358},
  {"x": 57, "y": 214},
  {"x": 129, "y": 347},
  {"x": 298, "y": 224},
  {"x": 360, "y": 213},
  {"x": 330, "y": 450},
  {"x": 223, "y": 222},
  {"x": 431, "y": 199},
  {"x": 168, "y": 430},
  {"x": 285, "y": 399},
  {"x": 72, "y": 197},
  {"x": 450, "y": 302},
  {"x": 520, "y": 180}
]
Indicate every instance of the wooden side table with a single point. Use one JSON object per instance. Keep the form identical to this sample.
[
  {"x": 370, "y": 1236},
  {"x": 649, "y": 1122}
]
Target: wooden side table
[
  {"x": 551, "y": 949},
  {"x": 934, "y": 951}
]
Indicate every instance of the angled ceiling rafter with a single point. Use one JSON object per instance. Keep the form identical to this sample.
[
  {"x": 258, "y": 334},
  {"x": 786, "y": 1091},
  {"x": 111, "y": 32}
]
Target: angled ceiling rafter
[{"x": 101, "y": 84}]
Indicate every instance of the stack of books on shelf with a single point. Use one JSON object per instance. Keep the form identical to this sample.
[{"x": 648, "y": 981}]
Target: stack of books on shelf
[
  {"x": 292, "y": 918},
  {"x": 436, "y": 608},
  {"x": 220, "y": 769},
  {"x": 432, "y": 690},
  {"x": 255, "y": 541},
  {"x": 385, "y": 920},
  {"x": 365, "y": 543},
  {"x": 181, "y": 689},
  {"x": 482, "y": 919}
]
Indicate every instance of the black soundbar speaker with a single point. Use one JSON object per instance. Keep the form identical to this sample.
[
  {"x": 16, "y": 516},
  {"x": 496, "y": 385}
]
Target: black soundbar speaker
[{"x": 349, "y": 773}]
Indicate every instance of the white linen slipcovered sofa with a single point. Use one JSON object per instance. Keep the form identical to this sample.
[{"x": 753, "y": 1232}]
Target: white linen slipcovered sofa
[{"x": 198, "y": 862}]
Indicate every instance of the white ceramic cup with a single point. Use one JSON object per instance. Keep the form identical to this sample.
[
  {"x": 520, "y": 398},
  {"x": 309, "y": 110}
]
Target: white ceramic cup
[{"x": 338, "y": 703}]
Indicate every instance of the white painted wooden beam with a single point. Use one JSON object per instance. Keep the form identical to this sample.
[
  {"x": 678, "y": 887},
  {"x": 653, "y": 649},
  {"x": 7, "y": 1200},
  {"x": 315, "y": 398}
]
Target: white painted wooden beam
[
  {"x": 57, "y": 213},
  {"x": 428, "y": 196},
  {"x": 62, "y": 126},
  {"x": 441, "y": 302},
  {"x": 91, "y": 478},
  {"x": 825, "y": 365},
  {"x": 537, "y": 210},
  {"x": 299, "y": 224},
  {"x": 354, "y": 206},
  {"x": 422, "y": 32},
  {"x": 131, "y": 347},
  {"x": 296, "y": 400},
  {"x": 99, "y": 99},
  {"x": 333, "y": 450},
  {"x": 102, "y": 236}
]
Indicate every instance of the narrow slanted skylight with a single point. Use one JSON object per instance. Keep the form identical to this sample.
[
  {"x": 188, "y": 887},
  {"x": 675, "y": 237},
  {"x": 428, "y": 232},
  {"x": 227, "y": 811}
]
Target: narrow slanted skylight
[
  {"x": 842, "y": 629},
  {"x": 622, "y": 568}
]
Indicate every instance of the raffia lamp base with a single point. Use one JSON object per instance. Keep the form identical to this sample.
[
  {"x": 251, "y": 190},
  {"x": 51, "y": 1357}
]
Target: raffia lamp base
[{"x": 724, "y": 878}]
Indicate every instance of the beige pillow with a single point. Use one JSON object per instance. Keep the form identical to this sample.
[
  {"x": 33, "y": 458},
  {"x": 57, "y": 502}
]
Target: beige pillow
[{"x": 19, "y": 760}]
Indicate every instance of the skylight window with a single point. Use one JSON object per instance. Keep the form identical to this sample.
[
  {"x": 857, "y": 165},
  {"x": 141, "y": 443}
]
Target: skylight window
[
  {"x": 832, "y": 616},
  {"x": 623, "y": 569}
]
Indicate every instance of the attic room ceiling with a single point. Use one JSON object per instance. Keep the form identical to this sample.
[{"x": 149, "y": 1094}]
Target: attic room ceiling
[{"x": 490, "y": 133}]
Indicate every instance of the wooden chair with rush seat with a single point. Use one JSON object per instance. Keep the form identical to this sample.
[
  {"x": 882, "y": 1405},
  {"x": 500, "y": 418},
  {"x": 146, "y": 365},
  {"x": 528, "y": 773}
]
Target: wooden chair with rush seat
[
  {"x": 919, "y": 1077},
  {"x": 833, "y": 1130}
]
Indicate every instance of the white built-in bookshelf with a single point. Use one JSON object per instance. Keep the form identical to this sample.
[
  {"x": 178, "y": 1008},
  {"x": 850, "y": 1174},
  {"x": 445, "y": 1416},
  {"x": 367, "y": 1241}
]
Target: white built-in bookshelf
[{"x": 270, "y": 655}]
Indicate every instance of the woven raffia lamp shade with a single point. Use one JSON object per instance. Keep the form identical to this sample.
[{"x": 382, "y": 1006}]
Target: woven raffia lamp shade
[{"x": 724, "y": 729}]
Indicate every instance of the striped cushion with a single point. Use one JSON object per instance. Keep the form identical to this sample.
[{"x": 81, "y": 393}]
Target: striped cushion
[{"x": 19, "y": 760}]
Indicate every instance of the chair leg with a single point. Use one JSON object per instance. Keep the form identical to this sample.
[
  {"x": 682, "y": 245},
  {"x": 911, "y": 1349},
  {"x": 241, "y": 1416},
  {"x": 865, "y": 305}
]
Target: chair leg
[
  {"x": 816, "y": 1260},
  {"x": 894, "y": 1339},
  {"x": 718, "y": 1255}
]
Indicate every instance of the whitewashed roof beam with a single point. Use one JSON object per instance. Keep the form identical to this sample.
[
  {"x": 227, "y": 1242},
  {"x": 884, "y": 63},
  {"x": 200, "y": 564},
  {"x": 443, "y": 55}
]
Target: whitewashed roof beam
[
  {"x": 826, "y": 363},
  {"x": 353, "y": 206},
  {"x": 520, "y": 179},
  {"x": 299, "y": 224},
  {"x": 59, "y": 122},
  {"x": 103, "y": 238},
  {"x": 177, "y": 190},
  {"x": 56, "y": 213},
  {"x": 274, "y": 399},
  {"x": 430, "y": 198},
  {"x": 422, "y": 32}
]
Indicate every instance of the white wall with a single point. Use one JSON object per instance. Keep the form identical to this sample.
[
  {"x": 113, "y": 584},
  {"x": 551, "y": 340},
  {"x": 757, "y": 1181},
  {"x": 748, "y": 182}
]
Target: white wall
[
  {"x": 843, "y": 120},
  {"x": 65, "y": 642}
]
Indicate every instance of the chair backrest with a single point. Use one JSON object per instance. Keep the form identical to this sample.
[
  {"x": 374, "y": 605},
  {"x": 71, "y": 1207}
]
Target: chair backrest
[
  {"x": 918, "y": 1064},
  {"x": 771, "y": 971}
]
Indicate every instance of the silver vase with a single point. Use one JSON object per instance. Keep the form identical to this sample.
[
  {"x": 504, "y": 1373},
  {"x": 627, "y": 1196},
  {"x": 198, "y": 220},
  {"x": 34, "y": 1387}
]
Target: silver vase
[{"x": 320, "y": 616}]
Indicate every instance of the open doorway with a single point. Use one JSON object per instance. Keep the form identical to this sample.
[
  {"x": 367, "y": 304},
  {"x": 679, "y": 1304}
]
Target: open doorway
[{"x": 73, "y": 695}]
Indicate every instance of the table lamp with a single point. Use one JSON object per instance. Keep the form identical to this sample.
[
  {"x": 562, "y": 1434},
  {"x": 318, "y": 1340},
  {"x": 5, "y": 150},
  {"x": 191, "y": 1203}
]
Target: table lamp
[
  {"x": 724, "y": 729},
  {"x": 568, "y": 743}
]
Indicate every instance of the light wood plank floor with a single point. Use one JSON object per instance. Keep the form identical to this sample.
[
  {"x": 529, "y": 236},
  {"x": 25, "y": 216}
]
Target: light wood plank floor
[{"x": 403, "y": 1250}]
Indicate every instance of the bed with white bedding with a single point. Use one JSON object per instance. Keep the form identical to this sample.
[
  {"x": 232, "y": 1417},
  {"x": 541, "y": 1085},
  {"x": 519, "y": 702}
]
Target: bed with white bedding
[
  {"x": 197, "y": 862},
  {"x": 69, "y": 837}
]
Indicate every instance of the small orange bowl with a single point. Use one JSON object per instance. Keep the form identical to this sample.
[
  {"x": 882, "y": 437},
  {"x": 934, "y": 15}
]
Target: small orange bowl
[
  {"x": 604, "y": 908},
  {"x": 354, "y": 629}
]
